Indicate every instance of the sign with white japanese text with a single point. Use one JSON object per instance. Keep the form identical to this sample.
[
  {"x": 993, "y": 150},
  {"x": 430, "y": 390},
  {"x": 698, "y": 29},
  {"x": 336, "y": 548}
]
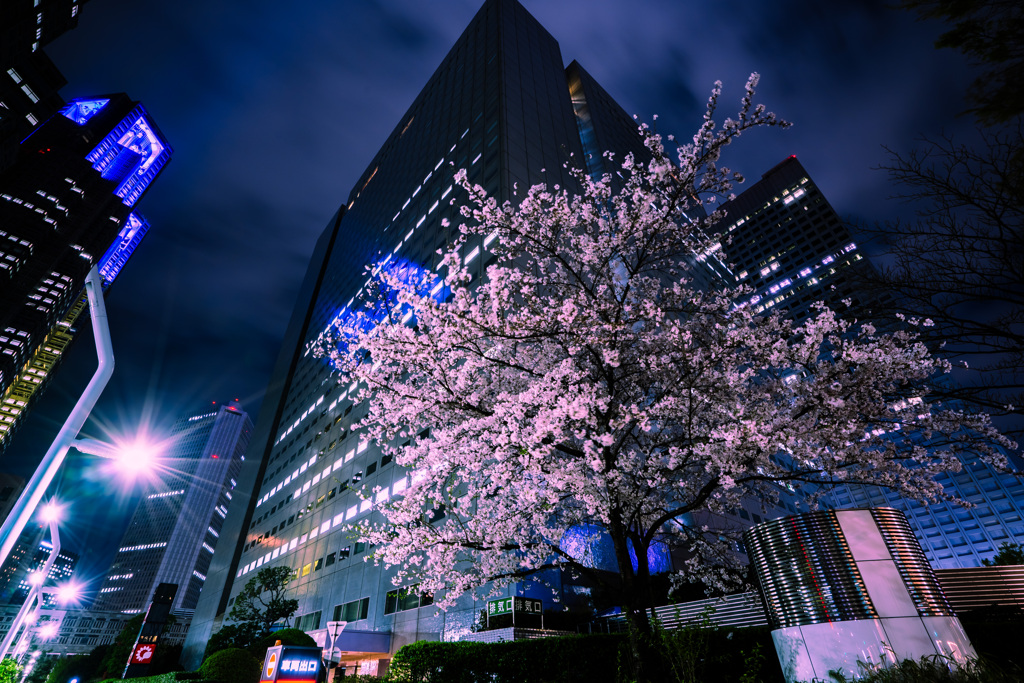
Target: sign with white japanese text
[
  {"x": 508, "y": 605},
  {"x": 291, "y": 663}
]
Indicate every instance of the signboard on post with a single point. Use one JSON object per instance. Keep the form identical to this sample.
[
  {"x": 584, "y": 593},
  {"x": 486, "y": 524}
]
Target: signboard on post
[
  {"x": 149, "y": 633},
  {"x": 143, "y": 653},
  {"x": 513, "y": 606},
  {"x": 291, "y": 663}
]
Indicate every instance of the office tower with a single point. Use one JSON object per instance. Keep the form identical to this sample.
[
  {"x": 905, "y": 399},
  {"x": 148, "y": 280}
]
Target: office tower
[
  {"x": 175, "y": 528},
  {"x": 11, "y": 486},
  {"x": 66, "y": 204},
  {"x": 14, "y": 568},
  {"x": 30, "y": 82},
  {"x": 784, "y": 240},
  {"x": 499, "y": 106},
  {"x": 60, "y": 572}
]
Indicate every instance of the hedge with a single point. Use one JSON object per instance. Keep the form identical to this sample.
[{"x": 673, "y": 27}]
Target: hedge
[
  {"x": 723, "y": 655},
  {"x": 172, "y": 677},
  {"x": 233, "y": 665}
]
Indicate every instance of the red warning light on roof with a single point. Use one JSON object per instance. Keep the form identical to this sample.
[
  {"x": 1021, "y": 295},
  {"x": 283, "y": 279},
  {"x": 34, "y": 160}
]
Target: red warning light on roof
[{"x": 214, "y": 456}]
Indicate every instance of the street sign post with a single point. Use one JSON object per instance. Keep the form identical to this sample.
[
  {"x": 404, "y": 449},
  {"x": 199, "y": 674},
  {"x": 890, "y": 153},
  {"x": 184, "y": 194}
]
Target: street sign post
[{"x": 291, "y": 663}]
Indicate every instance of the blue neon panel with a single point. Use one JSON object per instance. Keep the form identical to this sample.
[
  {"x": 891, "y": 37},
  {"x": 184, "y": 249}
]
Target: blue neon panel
[
  {"x": 81, "y": 111},
  {"x": 131, "y": 155},
  {"x": 121, "y": 250}
]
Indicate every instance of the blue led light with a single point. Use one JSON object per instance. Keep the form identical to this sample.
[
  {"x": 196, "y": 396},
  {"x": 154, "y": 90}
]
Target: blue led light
[
  {"x": 131, "y": 155},
  {"x": 81, "y": 111},
  {"x": 355, "y": 318},
  {"x": 121, "y": 250},
  {"x": 591, "y": 546}
]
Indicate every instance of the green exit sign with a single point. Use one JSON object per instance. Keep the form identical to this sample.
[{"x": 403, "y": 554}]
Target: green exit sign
[{"x": 501, "y": 606}]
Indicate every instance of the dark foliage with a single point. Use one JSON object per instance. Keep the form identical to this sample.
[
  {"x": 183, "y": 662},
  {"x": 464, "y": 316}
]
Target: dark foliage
[
  {"x": 960, "y": 264},
  {"x": 231, "y": 666},
  {"x": 287, "y": 636},
  {"x": 937, "y": 670},
  {"x": 242, "y": 636},
  {"x": 115, "y": 658},
  {"x": 261, "y": 602},
  {"x": 991, "y": 34},
  {"x": 1009, "y": 554},
  {"x": 997, "y": 634},
  {"x": 572, "y": 659}
]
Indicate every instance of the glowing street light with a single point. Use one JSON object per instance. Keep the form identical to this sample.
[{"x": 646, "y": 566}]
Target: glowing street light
[
  {"x": 52, "y": 512},
  {"x": 128, "y": 459},
  {"x": 28, "y": 615},
  {"x": 68, "y": 592},
  {"x": 48, "y": 631}
]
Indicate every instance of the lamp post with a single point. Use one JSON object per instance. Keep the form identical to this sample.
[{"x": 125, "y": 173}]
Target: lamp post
[
  {"x": 26, "y": 505},
  {"x": 51, "y": 514}
]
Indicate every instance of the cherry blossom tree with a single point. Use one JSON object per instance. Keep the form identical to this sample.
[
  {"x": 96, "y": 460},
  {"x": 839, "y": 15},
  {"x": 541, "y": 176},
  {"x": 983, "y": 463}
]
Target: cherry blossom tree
[{"x": 588, "y": 381}]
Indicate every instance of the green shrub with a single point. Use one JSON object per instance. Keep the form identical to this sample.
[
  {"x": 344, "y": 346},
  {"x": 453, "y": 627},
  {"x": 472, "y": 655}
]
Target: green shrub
[
  {"x": 287, "y": 636},
  {"x": 996, "y": 633},
  {"x": 567, "y": 659},
  {"x": 233, "y": 665},
  {"x": 716, "y": 656},
  {"x": 170, "y": 677},
  {"x": 937, "y": 669}
]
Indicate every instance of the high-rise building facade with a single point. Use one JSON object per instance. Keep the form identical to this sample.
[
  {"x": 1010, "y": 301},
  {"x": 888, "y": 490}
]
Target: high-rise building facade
[
  {"x": 503, "y": 106},
  {"x": 61, "y": 571},
  {"x": 11, "y": 486},
  {"x": 30, "y": 82},
  {"x": 66, "y": 204},
  {"x": 783, "y": 239},
  {"x": 176, "y": 528}
]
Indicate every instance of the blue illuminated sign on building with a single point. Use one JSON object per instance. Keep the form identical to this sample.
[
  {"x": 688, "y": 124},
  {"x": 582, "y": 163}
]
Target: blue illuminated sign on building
[
  {"x": 131, "y": 155},
  {"x": 291, "y": 663},
  {"x": 121, "y": 250},
  {"x": 81, "y": 111}
]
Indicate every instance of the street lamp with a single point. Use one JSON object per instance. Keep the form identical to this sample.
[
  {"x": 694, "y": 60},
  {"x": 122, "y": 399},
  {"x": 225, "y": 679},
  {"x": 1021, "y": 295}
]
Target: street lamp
[
  {"x": 48, "y": 631},
  {"x": 51, "y": 514},
  {"x": 25, "y": 506}
]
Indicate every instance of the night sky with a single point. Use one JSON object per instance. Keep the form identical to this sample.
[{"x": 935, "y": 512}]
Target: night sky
[{"x": 274, "y": 110}]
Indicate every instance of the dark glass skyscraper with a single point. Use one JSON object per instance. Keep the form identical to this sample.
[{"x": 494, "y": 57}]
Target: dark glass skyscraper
[
  {"x": 66, "y": 204},
  {"x": 176, "y": 527},
  {"x": 30, "y": 82},
  {"x": 786, "y": 241},
  {"x": 503, "y": 106}
]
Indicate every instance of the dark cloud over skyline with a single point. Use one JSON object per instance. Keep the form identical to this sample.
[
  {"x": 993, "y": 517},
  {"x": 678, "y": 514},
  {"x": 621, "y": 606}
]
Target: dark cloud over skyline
[{"x": 274, "y": 110}]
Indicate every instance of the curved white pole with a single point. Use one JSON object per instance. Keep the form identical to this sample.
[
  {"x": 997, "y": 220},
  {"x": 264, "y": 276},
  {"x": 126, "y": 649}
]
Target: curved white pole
[{"x": 23, "y": 510}]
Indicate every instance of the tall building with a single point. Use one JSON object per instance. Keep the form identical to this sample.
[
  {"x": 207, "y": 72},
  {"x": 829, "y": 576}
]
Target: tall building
[
  {"x": 176, "y": 527},
  {"x": 61, "y": 571},
  {"x": 783, "y": 239},
  {"x": 11, "y": 486},
  {"x": 503, "y": 106},
  {"x": 30, "y": 82},
  {"x": 66, "y": 204}
]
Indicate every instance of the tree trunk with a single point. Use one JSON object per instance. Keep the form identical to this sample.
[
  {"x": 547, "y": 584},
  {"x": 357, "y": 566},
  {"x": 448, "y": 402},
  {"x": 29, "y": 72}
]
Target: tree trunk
[{"x": 632, "y": 607}]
